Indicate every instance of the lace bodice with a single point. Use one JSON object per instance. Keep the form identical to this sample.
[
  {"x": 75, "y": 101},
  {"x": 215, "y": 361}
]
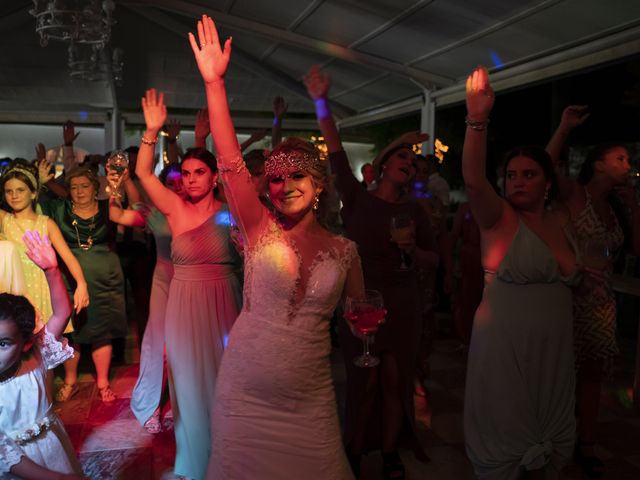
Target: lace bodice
[{"x": 273, "y": 277}]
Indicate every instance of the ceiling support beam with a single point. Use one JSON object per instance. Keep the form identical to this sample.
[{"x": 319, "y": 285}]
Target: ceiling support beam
[
  {"x": 329, "y": 49},
  {"x": 242, "y": 58},
  {"x": 613, "y": 47}
]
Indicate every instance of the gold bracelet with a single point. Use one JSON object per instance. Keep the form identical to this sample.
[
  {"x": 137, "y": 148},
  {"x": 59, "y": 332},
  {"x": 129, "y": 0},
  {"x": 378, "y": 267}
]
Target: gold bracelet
[
  {"x": 478, "y": 125},
  {"x": 149, "y": 142}
]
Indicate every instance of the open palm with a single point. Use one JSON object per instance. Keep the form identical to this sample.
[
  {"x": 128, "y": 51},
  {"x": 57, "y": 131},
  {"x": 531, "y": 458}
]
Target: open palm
[
  {"x": 212, "y": 60},
  {"x": 480, "y": 95},
  {"x": 317, "y": 82},
  {"x": 154, "y": 109}
]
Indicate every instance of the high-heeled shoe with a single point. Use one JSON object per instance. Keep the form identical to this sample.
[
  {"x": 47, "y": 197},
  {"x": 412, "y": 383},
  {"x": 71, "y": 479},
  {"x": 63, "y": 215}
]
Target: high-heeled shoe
[{"x": 592, "y": 465}]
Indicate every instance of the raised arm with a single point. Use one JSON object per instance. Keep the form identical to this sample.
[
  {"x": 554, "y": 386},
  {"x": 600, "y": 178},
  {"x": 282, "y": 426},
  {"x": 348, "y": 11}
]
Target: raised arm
[
  {"x": 202, "y": 129},
  {"x": 318, "y": 85},
  {"x": 486, "y": 205},
  {"x": 155, "y": 114},
  {"x": 46, "y": 174},
  {"x": 69, "y": 136},
  {"x": 40, "y": 251},
  {"x": 173, "y": 131},
  {"x": 573, "y": 116},
  {"x": 239, "y": 190},
  {"x": 81, "y": 294}
]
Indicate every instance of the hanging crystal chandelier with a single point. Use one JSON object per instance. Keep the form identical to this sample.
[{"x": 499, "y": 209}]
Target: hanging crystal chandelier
[
  {"x": 81, "y": 21},
  {"x": 86, "y": 26},
  {"x": 88, "y": 62}
]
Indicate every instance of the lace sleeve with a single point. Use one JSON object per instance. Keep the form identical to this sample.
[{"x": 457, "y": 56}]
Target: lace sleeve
[
  {"x": 245, "y": 206},
  {"x": 10, "y": 454},
  {"x": 348, "y": 254},
  {"x": 52, "y": 351}
]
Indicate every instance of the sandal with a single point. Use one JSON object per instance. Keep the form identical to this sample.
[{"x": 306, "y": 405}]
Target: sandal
[
  {"x": 106, "y": 394},
  {"x": 66, "y": 392},
  {"x": 153, "y": 425},
  {"x": 392, "y": 466},
  {"x": 592, "y": 465}
]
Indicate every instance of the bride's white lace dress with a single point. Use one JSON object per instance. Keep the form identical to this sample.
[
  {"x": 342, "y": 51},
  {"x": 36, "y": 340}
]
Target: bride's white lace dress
[{"x": 274, "y": 413}]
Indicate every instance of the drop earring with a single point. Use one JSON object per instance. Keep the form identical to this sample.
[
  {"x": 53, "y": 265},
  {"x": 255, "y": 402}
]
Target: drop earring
[{"x": 316, "y": 203}]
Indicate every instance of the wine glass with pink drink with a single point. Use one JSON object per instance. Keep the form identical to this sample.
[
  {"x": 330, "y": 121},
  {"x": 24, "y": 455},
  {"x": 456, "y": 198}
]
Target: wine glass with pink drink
[{"x": 365, "y": 313}]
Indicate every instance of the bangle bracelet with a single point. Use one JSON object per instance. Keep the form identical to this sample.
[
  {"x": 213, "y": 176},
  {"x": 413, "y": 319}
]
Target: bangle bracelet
[
  {"x": 146, "y": 141},
  {"x": 478, "y": 125}
]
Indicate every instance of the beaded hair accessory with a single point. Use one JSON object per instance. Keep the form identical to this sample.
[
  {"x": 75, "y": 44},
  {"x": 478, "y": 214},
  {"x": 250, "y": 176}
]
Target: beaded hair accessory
[
  {"x": 25, "y": 172},
  {"x": 282, "y": 163}
]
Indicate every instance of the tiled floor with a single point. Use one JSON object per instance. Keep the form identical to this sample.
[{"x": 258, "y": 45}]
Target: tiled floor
[{"x": 112, "y": 445}]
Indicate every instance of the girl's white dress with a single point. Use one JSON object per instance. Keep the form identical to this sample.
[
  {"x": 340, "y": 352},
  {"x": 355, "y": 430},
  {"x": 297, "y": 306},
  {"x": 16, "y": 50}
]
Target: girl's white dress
[{"x": 28, "y": 425}]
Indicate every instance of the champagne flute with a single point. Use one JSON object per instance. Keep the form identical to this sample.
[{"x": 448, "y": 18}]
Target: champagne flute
[
  {"x": 117, "y": 162},
  {"x": 365, "y": 313},
  {"x": 402, "y": 229}
]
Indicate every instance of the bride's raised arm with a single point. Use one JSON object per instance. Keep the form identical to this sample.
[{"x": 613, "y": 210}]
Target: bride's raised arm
[{"x": 239, "y": 190}]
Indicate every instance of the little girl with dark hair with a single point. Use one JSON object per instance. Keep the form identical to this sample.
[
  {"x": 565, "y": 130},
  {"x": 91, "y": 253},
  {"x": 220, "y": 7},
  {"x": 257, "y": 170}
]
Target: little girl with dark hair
[{"x": 33, "y": 442}]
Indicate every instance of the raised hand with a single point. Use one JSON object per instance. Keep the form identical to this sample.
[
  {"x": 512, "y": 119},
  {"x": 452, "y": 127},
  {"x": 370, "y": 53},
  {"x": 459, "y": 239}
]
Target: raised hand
[
  {"x": 44, "y": 169},
  {"x": 69, "y": 134},
  {"x": 154, "y": 109},
  {"x": 317, "y": 83},
  {"x": 279, "y": 107},
  {"x": 39, "y": 250},
  {"x": 173, "y": 129},
  {"x": 480, "y": 96},
  {"x": 212, "y": 60},
  {"x": 202, "y": 128},
  {"x": 574, "y": 115},
  {"x": 41, "y": 152}
]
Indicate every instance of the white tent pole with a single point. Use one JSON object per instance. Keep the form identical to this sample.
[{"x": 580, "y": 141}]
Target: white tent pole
[{"x": 427, "y": 121}]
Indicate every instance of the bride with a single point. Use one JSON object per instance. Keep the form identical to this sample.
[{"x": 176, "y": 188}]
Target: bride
[{"x": 274, "y": 413}]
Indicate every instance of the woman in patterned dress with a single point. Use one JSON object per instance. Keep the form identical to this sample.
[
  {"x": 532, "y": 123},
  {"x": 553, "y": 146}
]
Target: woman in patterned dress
[{"x": 596, "y": 201}]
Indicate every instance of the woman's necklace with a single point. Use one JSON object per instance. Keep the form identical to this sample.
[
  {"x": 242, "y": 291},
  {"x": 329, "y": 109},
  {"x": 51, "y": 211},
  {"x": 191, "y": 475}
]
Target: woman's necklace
[{"x": 89, "y": 242}]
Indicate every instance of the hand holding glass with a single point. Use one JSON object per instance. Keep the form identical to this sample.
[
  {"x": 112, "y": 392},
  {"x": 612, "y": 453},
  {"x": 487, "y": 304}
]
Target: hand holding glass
[
  {"x": 402, "y": 230},
  {"x": 365, "y": 314},
  {"x": 117, "y": 163}
]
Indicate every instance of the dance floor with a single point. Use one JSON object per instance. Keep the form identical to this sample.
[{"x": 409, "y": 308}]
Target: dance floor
[{"x": 112, "y": 445}]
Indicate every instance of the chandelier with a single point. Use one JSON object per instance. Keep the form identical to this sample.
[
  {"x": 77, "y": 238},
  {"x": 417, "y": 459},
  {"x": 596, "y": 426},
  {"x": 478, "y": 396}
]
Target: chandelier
[
  {"x": 86, "y": 26},
  {"x": 89, "y": 62}
]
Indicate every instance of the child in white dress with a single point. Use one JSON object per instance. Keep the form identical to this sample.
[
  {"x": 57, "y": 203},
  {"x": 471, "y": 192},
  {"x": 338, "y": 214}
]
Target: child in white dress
[{"x": 33, "y": 442}]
